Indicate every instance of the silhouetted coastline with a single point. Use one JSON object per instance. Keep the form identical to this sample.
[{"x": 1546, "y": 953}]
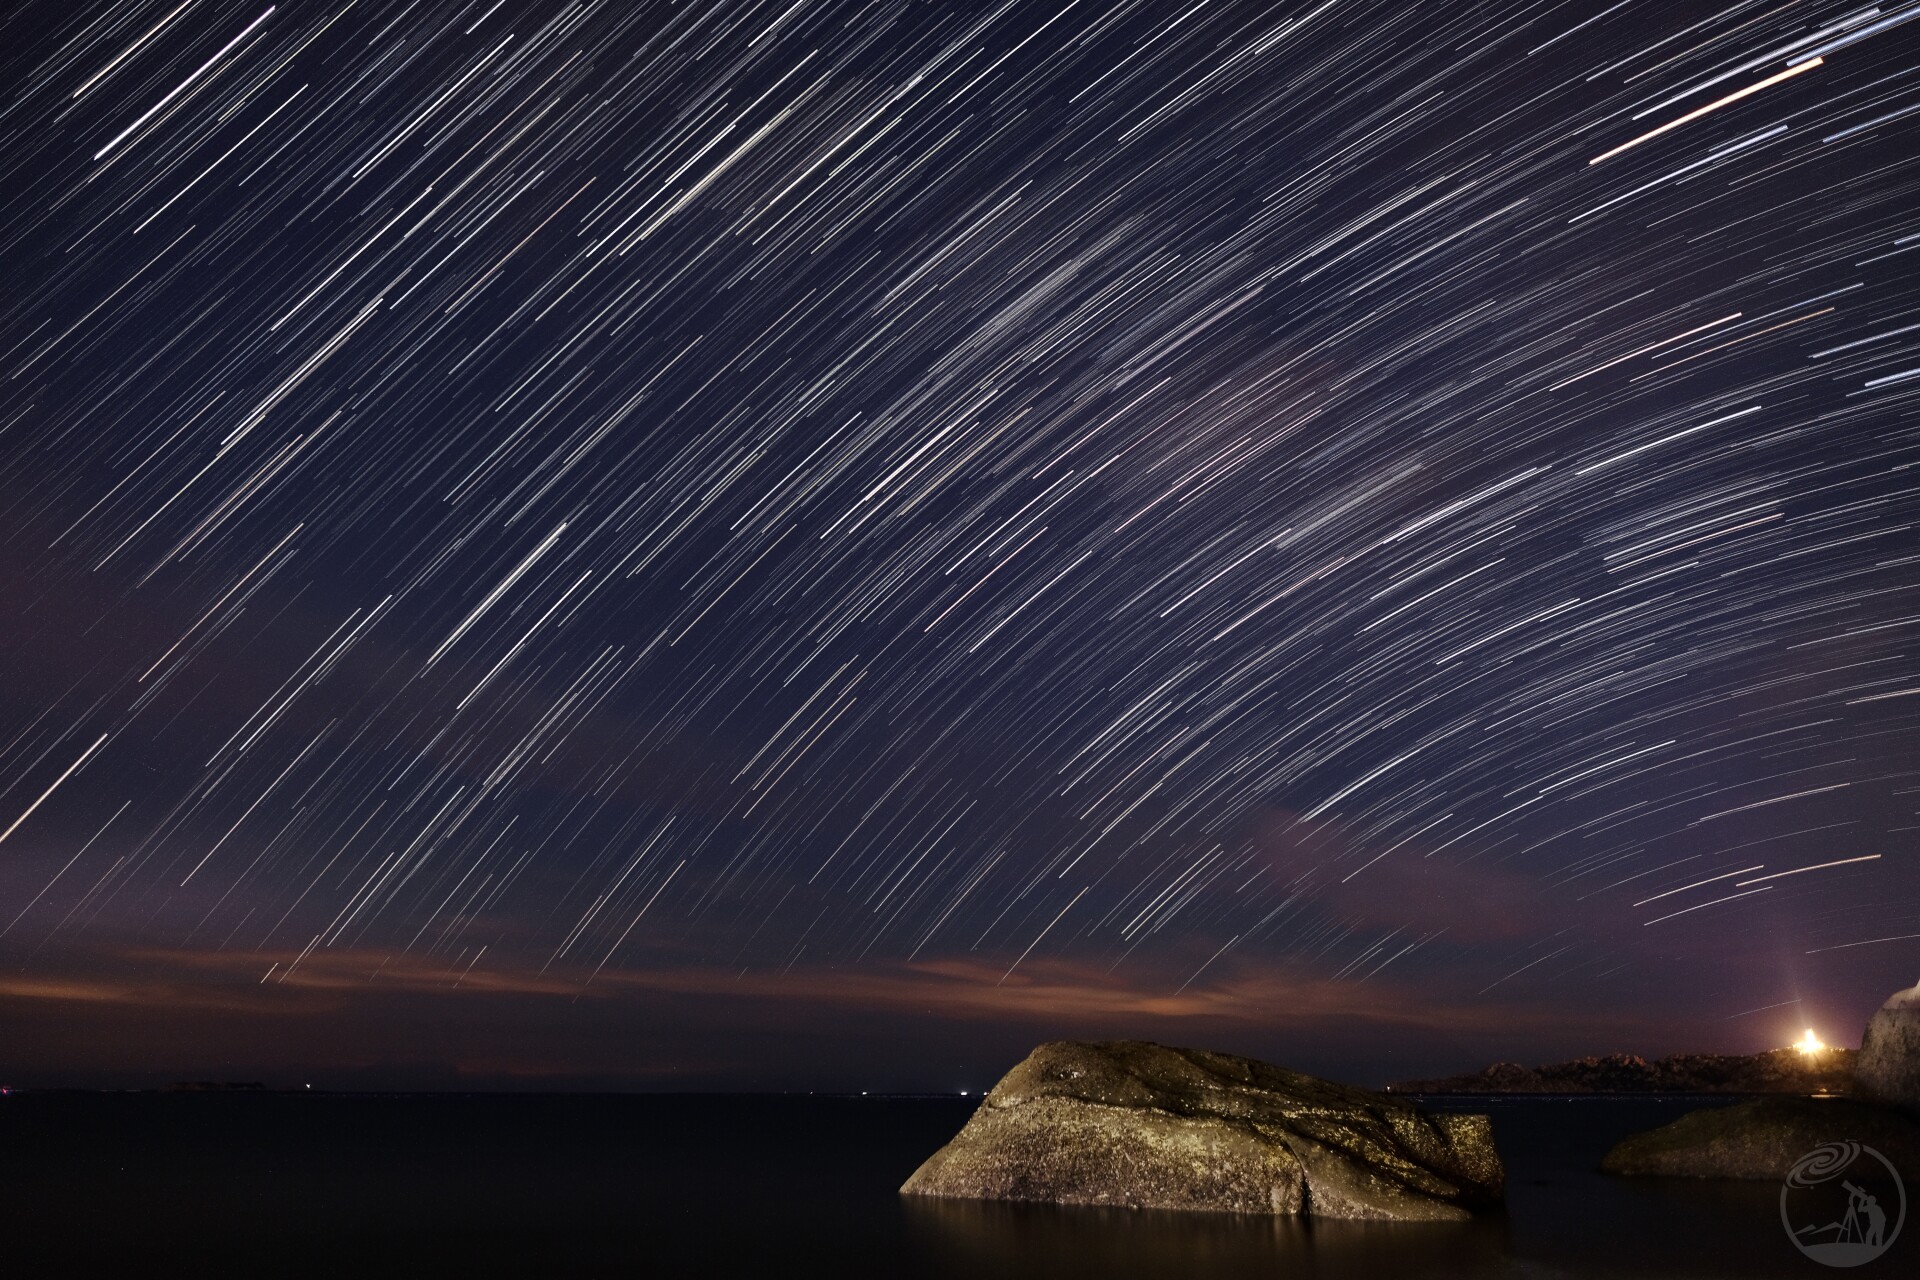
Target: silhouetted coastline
[{"x": 1773, "y": 1071}]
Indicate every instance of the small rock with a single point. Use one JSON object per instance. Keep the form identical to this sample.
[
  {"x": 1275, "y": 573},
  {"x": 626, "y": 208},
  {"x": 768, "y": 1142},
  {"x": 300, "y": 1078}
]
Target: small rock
[
  {"x": 1762, "y": 1139},
  {"x": 1140, "y": 1125}
]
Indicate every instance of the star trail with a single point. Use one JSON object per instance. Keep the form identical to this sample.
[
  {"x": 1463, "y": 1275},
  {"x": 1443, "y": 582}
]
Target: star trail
[{"x": 1230, "y": 508}]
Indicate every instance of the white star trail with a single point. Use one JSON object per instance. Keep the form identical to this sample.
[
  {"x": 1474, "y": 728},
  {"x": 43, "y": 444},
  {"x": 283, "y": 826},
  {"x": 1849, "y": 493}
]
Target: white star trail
[{"x": 586, "y": 491}]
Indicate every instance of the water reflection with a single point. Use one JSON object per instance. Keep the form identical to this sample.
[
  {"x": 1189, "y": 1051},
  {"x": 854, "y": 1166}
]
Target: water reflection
[{"x": 989, "y": 1238}]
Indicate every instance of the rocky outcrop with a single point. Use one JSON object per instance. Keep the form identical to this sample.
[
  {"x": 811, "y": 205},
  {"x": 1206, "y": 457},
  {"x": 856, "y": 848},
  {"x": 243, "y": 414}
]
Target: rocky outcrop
[
  {"x": 1139, "y": 1125},
  {"x": 1775, "y": 1071},
  {"x": 1762, "y": 1139},
  {"x": 1889, "y": 1067}
]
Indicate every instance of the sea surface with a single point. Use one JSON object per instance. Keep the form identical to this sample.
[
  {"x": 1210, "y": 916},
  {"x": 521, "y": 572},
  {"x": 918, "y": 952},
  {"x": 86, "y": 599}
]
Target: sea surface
[{"x": 714, "y": 1185}]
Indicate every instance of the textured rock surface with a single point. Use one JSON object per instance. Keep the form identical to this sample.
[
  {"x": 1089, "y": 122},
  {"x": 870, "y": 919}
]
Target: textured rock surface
[
  {"x": 1775, "y": 1071},
  {"x": 1889, "y": 1067},
  {"x": 1762, "y": 1139},
  {"x": 1140, "y": 1125}
]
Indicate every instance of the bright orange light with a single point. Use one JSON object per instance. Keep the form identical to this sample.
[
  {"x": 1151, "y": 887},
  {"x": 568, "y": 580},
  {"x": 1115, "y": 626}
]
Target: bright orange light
[
  {"x": 1809, "y": 1043},
  {"x": 1697, "y": 112}
]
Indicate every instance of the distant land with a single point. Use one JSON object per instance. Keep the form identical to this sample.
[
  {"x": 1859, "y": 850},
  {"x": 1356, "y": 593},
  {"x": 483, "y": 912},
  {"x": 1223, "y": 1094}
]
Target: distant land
[{"x": 1774, "y": 1071}]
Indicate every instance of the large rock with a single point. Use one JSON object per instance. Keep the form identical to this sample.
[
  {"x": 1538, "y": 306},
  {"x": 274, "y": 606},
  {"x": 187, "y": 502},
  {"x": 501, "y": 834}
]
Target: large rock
[
  {"x": 1139, "y": 1125},
  {"x": 1888, "y": 1069},
  {"x": 1762, "y": 1139}
]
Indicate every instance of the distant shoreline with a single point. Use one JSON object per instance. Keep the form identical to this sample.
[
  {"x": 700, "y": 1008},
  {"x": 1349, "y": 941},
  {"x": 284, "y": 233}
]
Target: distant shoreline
[{"x": 1775, "y": 1071}]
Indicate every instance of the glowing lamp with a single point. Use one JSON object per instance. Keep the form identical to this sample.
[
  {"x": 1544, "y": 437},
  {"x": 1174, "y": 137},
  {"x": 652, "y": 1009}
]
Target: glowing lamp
[{"x": 1809, "y": 1044}]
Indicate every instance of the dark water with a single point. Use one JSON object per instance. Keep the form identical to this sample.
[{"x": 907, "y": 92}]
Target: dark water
[{"x": 275, "y": 1185}]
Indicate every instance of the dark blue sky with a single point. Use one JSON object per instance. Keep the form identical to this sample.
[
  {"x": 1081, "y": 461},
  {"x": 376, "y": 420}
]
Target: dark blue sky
[{"x": 817, "y": 544}]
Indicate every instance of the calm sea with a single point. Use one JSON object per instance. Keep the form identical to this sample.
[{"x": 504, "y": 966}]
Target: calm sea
[{"x": 637, "y": 1185}]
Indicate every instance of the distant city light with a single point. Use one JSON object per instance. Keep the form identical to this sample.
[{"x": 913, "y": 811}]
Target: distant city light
[{"x": 1810, "y": 1043}]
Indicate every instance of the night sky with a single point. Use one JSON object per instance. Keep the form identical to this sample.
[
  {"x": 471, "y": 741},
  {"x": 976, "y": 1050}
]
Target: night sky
[{"x": 816, "y": 545}]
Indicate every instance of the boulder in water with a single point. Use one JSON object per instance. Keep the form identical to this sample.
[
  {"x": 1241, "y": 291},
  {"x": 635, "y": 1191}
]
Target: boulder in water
[
  {"x": 1133, "y": 1124},
  {"x": 1762, "y": 1139}
]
